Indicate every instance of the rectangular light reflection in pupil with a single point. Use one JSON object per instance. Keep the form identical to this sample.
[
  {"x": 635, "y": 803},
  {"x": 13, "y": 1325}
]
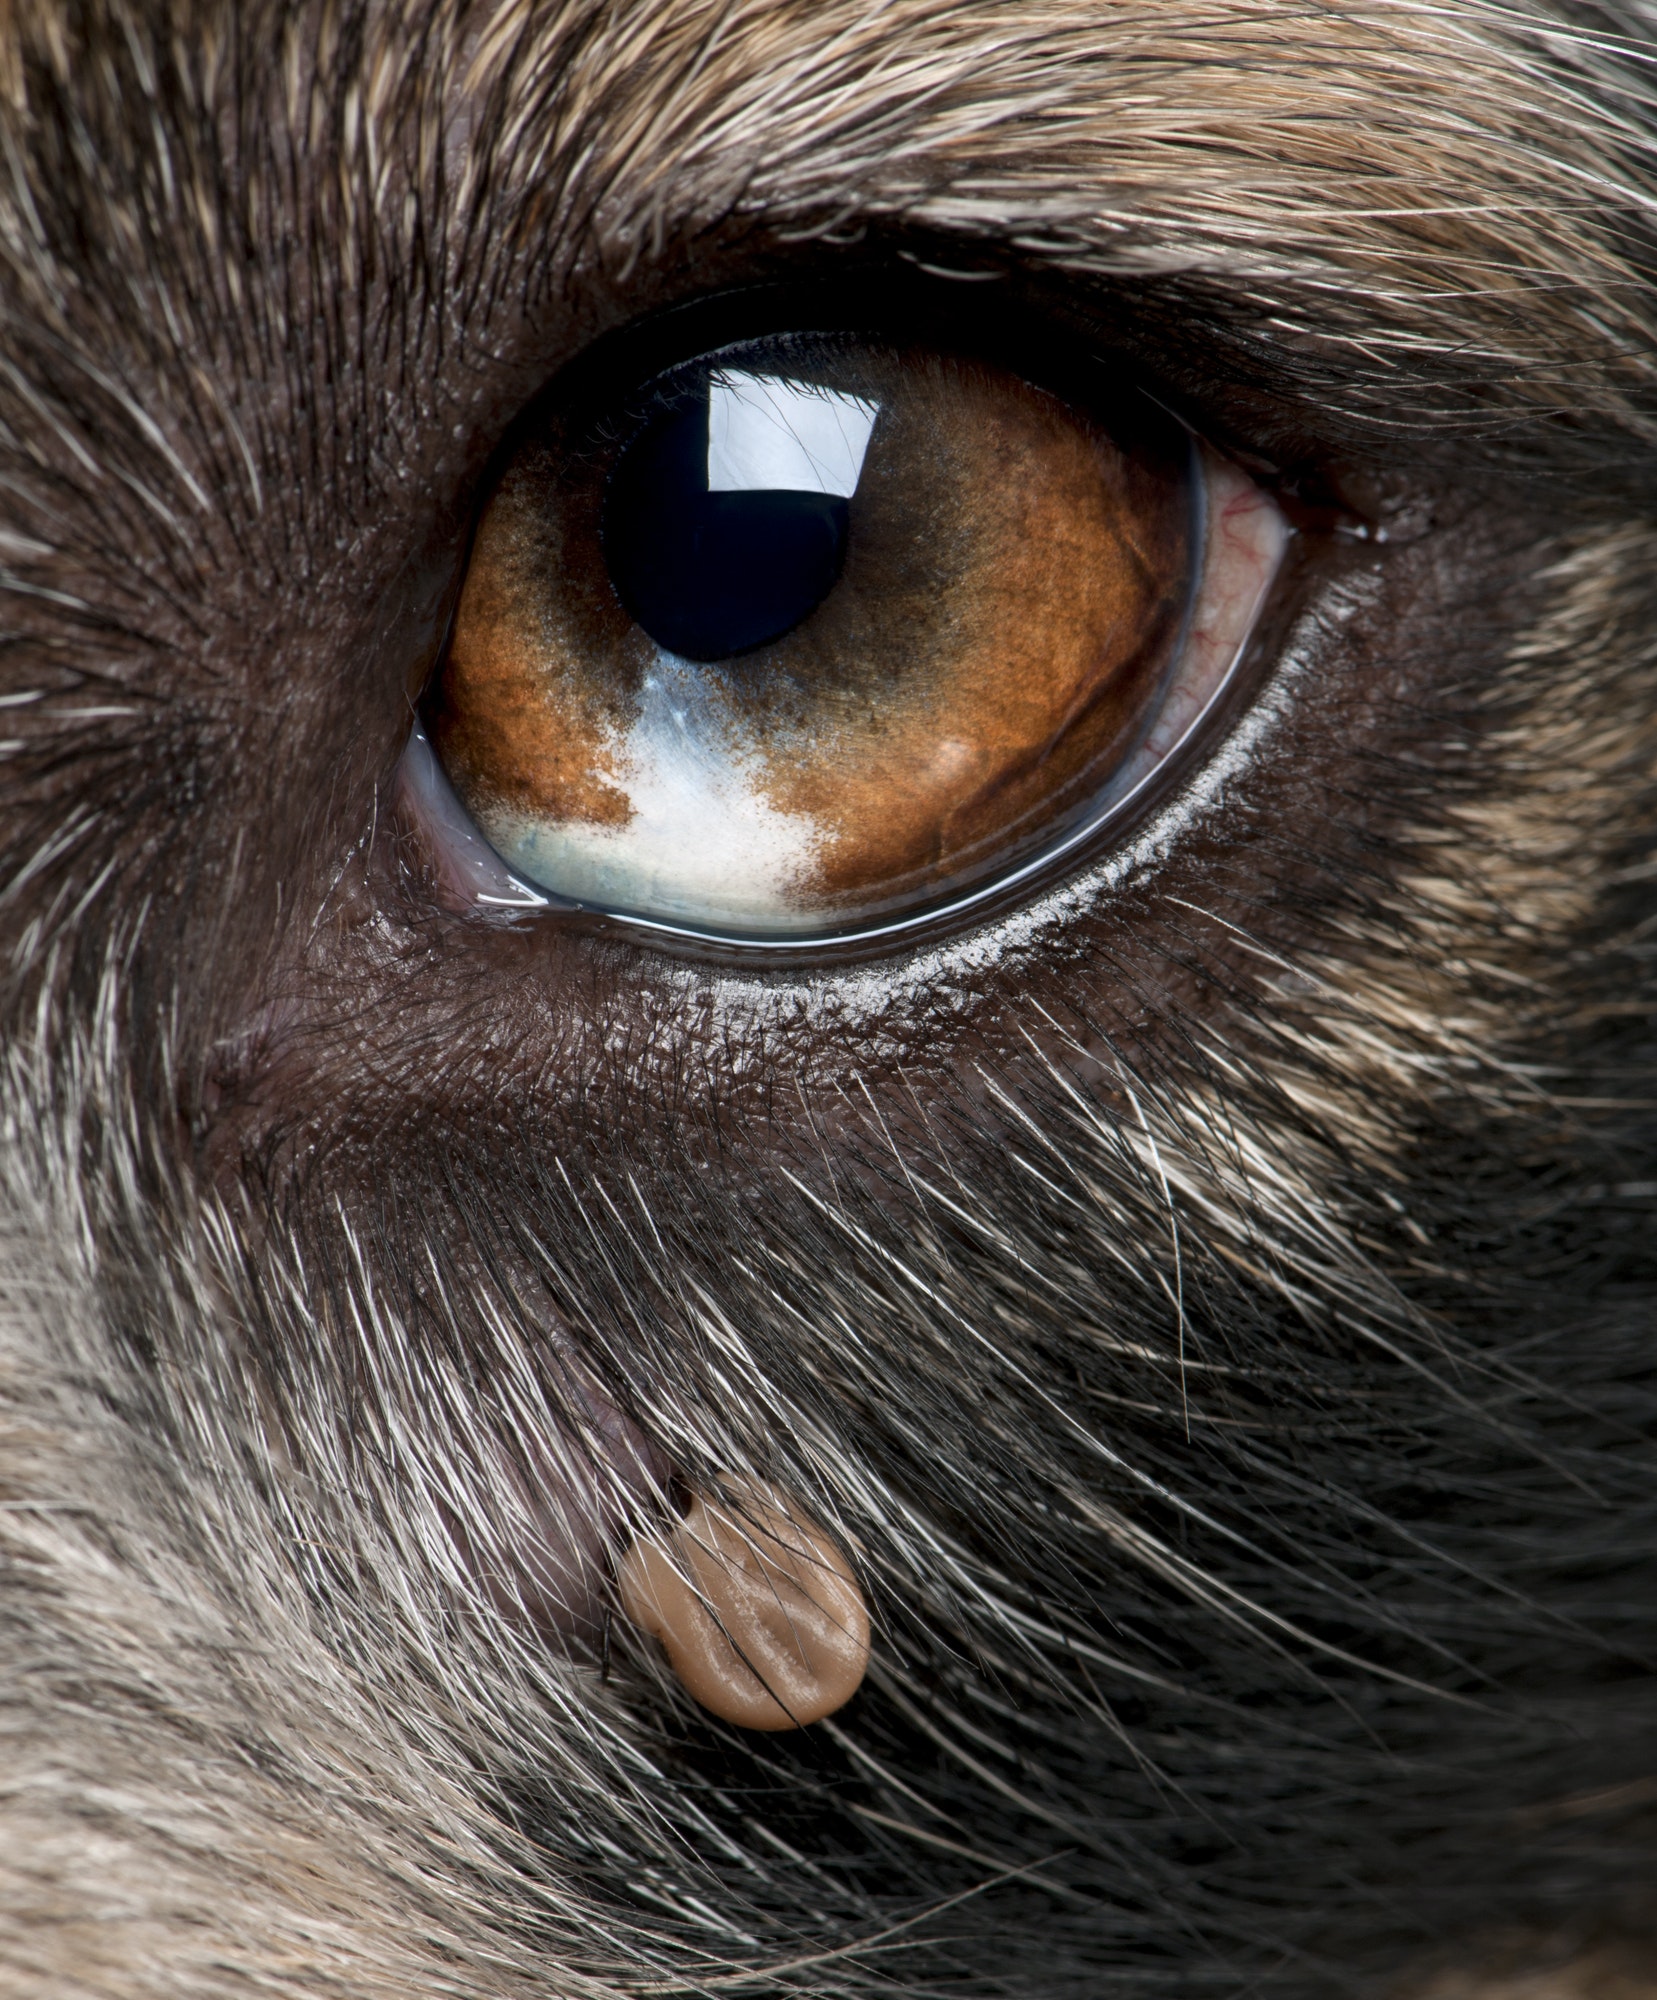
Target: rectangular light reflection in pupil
[
  {"x": 765, "y": 431},
  {"x": 726, "y": 520}
]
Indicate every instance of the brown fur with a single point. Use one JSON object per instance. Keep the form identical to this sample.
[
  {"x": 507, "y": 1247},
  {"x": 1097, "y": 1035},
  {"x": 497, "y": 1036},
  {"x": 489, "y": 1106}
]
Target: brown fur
[{"x": 1213, "y": 1300}]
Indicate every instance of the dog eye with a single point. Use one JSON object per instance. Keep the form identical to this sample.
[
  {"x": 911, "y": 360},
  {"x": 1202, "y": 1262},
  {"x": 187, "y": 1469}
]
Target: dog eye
[{"x": 814, "y": 634}]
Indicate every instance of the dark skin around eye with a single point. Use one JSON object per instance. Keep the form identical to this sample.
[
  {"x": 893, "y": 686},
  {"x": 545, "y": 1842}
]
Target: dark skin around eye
[{"x": 1155, "y": 1367}]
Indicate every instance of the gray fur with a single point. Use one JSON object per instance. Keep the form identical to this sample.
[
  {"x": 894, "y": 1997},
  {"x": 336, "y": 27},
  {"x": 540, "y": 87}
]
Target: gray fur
[{"x": 1235, "y": 1385}]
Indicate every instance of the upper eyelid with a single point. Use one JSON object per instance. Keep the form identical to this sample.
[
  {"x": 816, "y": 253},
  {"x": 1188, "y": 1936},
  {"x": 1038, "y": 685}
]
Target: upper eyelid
[
  {"x": 1197, "y": 347},
  {"x": 1039, "y": 311},
  {"x": 1273, "y": 192},
  {"x": 1272, "y": 169}
]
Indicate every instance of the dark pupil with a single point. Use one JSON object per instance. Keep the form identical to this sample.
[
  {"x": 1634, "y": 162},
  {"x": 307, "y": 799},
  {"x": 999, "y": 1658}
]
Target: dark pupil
[{"x": 712, "y": 574}]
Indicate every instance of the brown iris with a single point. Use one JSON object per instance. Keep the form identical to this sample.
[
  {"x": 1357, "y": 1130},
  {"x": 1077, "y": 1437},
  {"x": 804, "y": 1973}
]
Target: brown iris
[{"x": 819, "y": 632}]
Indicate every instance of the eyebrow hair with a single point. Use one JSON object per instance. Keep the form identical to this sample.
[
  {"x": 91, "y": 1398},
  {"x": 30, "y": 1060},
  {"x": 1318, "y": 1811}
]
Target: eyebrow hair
[
  {"x": 214, "y": 217},
  {"x": 1429, "y": 191}
]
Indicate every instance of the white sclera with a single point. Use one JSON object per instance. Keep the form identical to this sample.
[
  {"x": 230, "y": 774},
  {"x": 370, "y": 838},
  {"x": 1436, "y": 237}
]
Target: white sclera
[{"x": 766, "y": 434}]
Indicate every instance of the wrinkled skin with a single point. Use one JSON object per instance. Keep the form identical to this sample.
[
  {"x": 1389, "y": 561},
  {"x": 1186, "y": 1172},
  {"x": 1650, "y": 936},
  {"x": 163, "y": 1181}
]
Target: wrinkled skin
[{"x": 1210, "y": 1298}]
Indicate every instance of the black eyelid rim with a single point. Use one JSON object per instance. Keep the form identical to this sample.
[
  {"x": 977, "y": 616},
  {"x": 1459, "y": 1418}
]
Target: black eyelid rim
[{"x": 890, "y": 302}]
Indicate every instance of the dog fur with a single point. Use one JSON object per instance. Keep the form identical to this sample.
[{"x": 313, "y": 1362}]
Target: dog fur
[{"x": 1213, "y": 1301}]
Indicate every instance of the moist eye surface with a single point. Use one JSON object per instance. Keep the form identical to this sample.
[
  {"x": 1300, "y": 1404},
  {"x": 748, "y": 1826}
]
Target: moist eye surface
[
  {"x": 815, "y": 632},
  {"x": 726, "y": 518}
]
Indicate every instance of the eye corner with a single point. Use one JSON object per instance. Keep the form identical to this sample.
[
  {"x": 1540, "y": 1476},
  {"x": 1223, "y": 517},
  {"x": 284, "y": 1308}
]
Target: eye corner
[
  {"x": 455, "y": 865},
  {"x": 1350, "y": 500}
]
